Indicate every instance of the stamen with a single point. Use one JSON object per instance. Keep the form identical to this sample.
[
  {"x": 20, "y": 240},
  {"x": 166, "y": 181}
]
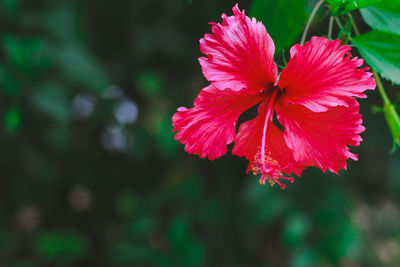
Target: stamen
[
  {"x": 262, "y": 179},
  {"x": 280, "y": 184},
  {"x": 290, "y": 179},
  {"x": 269, "y": 169}
]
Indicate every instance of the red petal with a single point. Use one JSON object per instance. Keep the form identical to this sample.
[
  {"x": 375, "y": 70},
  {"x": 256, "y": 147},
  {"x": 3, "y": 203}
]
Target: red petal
[
  {"x": 248, "y": 143},
  {"x": 239, "y": 54},
  {"x": 209, "y": 126},
  {"x": 321, "y": 139},
  {"x": 320, "y": 75}
]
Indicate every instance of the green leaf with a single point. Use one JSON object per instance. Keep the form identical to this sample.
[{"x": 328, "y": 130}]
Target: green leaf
[
  {"x": 381, "y": 50},
  {"x": 61, "y": 246},
  {"x": 283, "y": 24},
  {"x": 295, "y": 229},
  {"x": 304, "y": 257},
  {"x": 186, "y": 249},
  {"x": 29, "y": 55},
  {"x": 52, "y": 100},
  {"x": 149, "y": 83},
  {"x": 79, "y": 66},
  {"x": 11, "y": 7},
  {"x": 389, "y": 5},
  {"x": 382, "y": 20},
  {"x": 340, "y": 7},
  {"x": 12, "y": 120},
  {"x": 14, "y": 51}
]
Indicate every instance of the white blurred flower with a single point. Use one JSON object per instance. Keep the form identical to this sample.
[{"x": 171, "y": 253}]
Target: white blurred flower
[{"x": 126, "y": 112}]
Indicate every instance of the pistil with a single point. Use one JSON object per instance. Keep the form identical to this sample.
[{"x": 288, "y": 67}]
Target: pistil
[{"x": 263, "y": 162}]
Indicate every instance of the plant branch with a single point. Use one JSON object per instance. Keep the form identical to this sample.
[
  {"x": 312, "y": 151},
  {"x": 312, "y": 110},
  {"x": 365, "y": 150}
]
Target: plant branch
[
  {"x": 330, "y": 28},
  {"x": 314, "y": 11},
  {"x": 355, "y": 28},
  {"x": 338, "y": 23}
]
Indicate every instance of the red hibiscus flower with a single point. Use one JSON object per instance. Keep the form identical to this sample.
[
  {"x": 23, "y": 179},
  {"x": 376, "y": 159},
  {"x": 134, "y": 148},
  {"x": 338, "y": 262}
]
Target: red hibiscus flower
[{"x": 313, "y": 99}]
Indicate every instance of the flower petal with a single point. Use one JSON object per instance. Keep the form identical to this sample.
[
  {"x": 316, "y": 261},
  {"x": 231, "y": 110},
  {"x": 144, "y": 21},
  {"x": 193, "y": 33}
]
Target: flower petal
[
  {"x": 321, "y": 139},
  {"x": 249, "y": 138},
  {"x": 239, "y": 54},
  {"x": 320, "y": 75},
  {"x": 209, "y": 126}
]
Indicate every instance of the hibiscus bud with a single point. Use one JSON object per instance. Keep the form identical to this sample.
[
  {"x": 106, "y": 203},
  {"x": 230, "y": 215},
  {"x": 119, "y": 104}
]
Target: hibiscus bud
[{"x": 393, "y": 121}]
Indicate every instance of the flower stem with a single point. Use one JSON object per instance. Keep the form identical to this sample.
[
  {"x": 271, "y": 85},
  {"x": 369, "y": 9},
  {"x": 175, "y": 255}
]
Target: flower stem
[
  {"x": 330, "y": 28},
  {"x": 355, "y": 28},
  {"x": 314, "y": 11},
  {"x": 338, "y": 23},
  {"x": 381, "y": 89}
]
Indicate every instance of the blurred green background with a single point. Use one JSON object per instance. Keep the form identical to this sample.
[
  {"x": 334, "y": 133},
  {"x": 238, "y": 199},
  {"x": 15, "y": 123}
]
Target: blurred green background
[{"x": 92, "y": 176}]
